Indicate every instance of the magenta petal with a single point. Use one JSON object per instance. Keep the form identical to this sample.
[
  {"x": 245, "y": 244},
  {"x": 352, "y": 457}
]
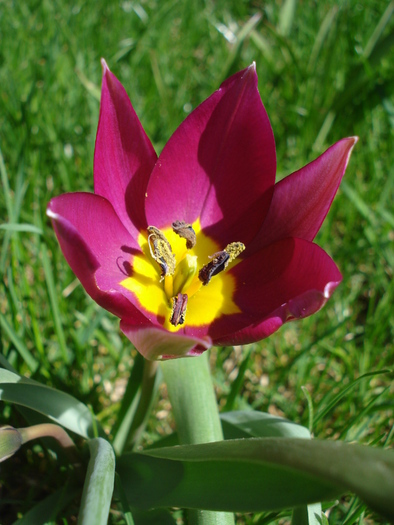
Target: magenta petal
[
  {"x": 289, "y": 279},
  {"x": 301, "y": 201},
  {"x": 219, "y": 163},
  {"x": 91, "y": 236},
  {"x": 302, "y": 306},
  {"x": 124, "y": 156},
  {"x": 156, "y": 343}
]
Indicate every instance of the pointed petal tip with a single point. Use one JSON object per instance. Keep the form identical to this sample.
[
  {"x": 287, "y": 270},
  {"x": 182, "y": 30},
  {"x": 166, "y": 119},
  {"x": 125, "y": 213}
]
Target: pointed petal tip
[
  {"x": 353, "y": 140},
  {"x": 250, "y": 72},
  {"x": 50, "y": 211},
  {"x": 104, "y": 66},
  {"x": 330, "y": 287},
  {"x": 51, "y": 214}
]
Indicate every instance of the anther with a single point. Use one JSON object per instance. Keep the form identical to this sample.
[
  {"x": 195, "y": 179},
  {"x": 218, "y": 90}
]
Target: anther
[
  {"x": 179, "y": 305},
  {"x": 185, "y": 231},
  {"x": 234, "y": 249},
  {"x": 161, "y": 251},
  {"x": 220, "y": 261}
]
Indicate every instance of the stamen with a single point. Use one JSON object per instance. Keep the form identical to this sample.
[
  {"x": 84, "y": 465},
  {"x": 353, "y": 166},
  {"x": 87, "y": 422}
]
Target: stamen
[
  {"x": 185, "y": 231},
  {"x": 234, "y": 249},
  {"x": 220, "y": 261},
  {"x": 179, "y": 305},
  {"x": 161, "y": 251}
]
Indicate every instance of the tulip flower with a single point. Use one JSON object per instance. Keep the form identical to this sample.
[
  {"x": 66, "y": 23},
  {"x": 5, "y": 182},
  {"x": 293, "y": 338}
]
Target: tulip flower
[{"x": 199, "y": 246}]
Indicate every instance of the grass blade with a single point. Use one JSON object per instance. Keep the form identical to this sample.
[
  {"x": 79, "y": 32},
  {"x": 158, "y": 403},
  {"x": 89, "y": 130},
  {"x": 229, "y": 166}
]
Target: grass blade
[{"x": 54, "y": 303}]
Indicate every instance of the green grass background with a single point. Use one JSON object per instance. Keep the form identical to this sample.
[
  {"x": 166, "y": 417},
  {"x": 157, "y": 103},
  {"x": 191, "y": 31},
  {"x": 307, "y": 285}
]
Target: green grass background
[{"x": 325, "y": 72}]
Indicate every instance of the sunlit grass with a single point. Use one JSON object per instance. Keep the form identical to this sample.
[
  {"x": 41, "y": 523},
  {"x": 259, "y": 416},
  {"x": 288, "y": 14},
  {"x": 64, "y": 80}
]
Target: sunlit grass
[{"x": 325, "y": 72}]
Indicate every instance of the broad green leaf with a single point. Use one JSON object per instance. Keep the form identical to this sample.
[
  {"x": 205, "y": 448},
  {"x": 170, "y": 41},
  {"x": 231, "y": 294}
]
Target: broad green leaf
[
  {"x": 246, "y": 424},
  {"x": 250, "y": 475},
  {"x": 249, "y": 423},
  {"x": 153, "y": 517},
  {"x": 99, "y": 484},
  {"x": 140, "y": 517},
  {"x": 56, "y": 405},
  {"x": 258, "y": 424}
]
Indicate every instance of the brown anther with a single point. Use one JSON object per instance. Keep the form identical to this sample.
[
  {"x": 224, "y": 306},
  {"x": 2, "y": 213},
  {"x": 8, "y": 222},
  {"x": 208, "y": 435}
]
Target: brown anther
[
  {"x": 217, "y": 265},
  {"x": 161, "y": 251},
  {"x": 179, "y": 305},
  {"x": 220, "y": 261},
  {"x": 185, "y": 231}
]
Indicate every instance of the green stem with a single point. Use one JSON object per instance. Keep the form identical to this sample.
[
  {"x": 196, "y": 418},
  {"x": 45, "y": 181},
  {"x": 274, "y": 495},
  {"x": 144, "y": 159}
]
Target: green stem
[{"x": 193, "y": 402}]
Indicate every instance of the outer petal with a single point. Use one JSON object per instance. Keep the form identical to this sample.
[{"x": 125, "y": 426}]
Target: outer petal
[
  {"x": 156, "y": 343},
  {"x": 91, "y": 236},
  {"x": 302, "y": 306},
  {"x": 124, "y": 156},
  {"x": 218, "y": 165},
  {"x": 289, "y": 279},
  {"x": 302, "y": 200}
]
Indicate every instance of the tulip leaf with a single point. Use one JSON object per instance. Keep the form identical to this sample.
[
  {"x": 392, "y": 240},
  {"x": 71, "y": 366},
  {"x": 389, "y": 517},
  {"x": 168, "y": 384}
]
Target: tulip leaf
[
  {"x": 153, "y": 517},
  {"x": 250, "y": 423},
  {"x": 258, "y": 474},
  {"x": 56, "y": 405},
  {"x": 99, "y": 484},
  {"x": 246, "y": 424}
]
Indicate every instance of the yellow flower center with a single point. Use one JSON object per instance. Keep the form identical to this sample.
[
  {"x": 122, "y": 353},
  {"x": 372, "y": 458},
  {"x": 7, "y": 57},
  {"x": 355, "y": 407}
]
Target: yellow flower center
[{"x": 182, "y": 286}]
